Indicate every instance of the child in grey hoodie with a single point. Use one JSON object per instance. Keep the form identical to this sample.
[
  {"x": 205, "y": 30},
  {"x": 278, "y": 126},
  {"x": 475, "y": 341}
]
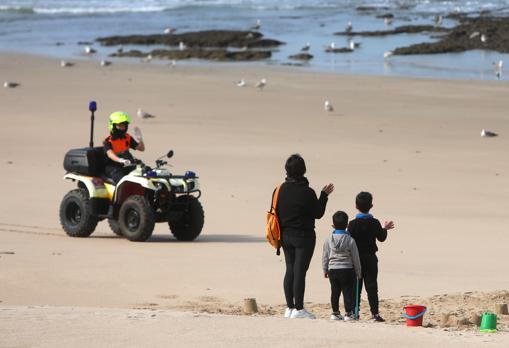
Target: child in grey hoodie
[{"x": 341, "y": 264}]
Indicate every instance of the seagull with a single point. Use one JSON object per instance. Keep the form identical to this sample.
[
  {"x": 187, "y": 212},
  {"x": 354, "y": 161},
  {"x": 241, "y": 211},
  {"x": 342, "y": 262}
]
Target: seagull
[
  {"x": 8, "y": 84},
  {"x": 105, "y": 62},
  {"x": 349, "y": 27},
  {"x": 474, "y": 34},
  {"x": 148, "y": 58},
  {"x": 257, "y": 26},
  {"x": 173, "y": 63},
  {"x": 249, "y": 36},
  {"x": 306, "y": 47},
  {"x": 483, "y": 38},
  {"x": 182, "y": 46},
  {"x": 388, "y": 21},
  {"x": 438, "y": 20},
  {"x": 331, "y": 46},
  {"x": 499, "y": 65},
  {"x": 388, "y": 54},
  {"x": 169, "y": 30},
  {"x": 144, "y": 115},
  {"x": 488, "y": 134},
  {"x": 352, "y": 45},
  {"x": 241, "y": 83},
  {"x": 261, "y": 84},
  {"x": 65, "y": 64},
  {"x": 328, "y": 106},
  {"x": 89, "y": 50}
]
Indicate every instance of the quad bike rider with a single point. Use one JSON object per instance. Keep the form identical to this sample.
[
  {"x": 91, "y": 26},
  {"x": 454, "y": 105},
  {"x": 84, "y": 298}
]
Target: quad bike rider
[{"x": 139, "y": 198}]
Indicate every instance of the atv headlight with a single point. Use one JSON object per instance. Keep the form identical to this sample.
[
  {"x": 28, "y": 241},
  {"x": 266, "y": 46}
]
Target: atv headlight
[{"x": 159, "y": 186}]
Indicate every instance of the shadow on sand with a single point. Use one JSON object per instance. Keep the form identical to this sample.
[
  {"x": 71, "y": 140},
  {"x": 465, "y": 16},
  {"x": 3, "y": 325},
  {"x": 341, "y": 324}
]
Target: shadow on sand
[{"x": 210, "y": 238}]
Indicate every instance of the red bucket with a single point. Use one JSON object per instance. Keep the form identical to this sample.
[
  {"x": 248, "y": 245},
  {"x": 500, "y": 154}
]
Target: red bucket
[{"x": 414, "y": 315}]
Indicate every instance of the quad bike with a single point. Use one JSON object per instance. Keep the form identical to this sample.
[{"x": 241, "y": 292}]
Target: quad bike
[{"x": 132, "y": 207}]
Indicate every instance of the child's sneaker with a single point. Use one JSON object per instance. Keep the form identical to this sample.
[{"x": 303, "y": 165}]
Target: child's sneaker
[
  {"x": 302, "y": 314},
  {"x": 288, "y": 312},
  {"x": 377, "y": 318},
  {"x": 336, "y": 316}
]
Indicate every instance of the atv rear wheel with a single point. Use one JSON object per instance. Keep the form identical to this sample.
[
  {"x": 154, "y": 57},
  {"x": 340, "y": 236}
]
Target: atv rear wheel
[
  {"x": 188, "y": 225},
  {"x": 75, "y": 214},
  {"x": 136, "y": 219},
  {"x": 115, "y": 227}
]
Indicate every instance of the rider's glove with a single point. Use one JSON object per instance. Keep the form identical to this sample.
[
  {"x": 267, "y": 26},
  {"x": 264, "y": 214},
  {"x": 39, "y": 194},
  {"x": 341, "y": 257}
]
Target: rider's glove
[
  {"x": 125, "y": 162},
  {"x": 138, "y": 135}
]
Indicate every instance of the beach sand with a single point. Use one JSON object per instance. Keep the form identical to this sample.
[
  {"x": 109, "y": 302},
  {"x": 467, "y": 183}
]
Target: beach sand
[{"x": 415, "y": 144}]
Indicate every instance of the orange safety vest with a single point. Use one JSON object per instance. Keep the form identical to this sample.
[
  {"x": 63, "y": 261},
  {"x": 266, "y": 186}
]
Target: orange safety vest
[{"x": 120, "y": 145}]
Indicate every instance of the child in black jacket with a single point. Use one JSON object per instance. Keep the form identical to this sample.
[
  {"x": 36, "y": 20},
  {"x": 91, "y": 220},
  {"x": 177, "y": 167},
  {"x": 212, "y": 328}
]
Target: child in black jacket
[{"x": 366, "y": 230}]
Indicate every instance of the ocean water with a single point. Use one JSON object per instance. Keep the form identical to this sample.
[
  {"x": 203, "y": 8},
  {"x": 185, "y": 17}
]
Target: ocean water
[{"x": 36, "y": 26}]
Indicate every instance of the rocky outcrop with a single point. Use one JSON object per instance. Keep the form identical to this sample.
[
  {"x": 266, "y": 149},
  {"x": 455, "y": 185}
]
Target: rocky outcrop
[
  {"x": 405, "y": 29},
  {"x": 206, "y": 38},
  {"x": 301, "y": 56},
  {"x": 490, "y": 33}
]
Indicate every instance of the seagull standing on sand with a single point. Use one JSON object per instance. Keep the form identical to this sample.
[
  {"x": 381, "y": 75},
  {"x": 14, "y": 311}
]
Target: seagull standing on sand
[
  {"x": 173, "y": 63},
  {"x": 349, "y": 27},
  {"x": 105, "y": 63},
  {"x": 306, "y": 47},
  {"x": 499, "y": 65},
  {"x": 241, "y": 83},
  {"x": 260, "y": 85},
  {"x": 182, "y": 46},
  {"x": 328, "y": 106},
  {"x": 148, "y": 58},
  {"x": 89, "y": 50},
  {"x": 65, "y": 64},
  {"x": 488, "y": 134},
  {"x": 8, "y": 84},
  {"x": 144, "y": 115}
]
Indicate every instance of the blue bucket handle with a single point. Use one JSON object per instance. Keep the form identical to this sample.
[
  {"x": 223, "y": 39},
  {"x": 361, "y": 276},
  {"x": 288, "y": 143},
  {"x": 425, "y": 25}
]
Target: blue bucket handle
[{"x": 415, "y": 316}]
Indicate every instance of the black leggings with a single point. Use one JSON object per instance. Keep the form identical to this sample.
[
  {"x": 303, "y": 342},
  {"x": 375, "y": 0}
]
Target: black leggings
[
  {"x": 298, "y": 253},
  {"x": 369, "y": 264},
  {"x": 342, "y": 280}
]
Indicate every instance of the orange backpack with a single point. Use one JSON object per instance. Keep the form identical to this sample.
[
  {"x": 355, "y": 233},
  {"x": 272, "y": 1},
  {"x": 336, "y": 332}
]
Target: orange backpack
[{"x": 272, "y": 228}]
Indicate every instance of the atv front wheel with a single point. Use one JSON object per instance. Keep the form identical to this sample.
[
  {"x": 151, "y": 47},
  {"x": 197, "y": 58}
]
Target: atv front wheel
[
  {"x": 75, "y": 214},
  {"x": 136, "y": 219},
  {"x": 188, "y": 226},
  {"x": 115, "y": 227}
]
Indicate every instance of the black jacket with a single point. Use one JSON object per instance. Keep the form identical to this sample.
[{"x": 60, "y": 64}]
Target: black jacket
[
  {"x": 365, "y": 232},
  {"x": 297, "y": 207}
]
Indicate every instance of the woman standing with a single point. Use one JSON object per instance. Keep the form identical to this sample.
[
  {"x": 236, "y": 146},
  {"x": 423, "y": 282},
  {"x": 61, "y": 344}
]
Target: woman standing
[{"x": 297, "y": 208}]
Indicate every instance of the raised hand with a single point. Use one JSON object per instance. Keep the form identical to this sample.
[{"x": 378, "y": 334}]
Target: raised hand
[
  {"x": 388, "y": 225},
  {"x": 327, "y": 189}
]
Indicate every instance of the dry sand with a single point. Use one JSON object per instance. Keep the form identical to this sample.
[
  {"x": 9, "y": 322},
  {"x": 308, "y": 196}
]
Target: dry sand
[{"x": 415, "y": 144}]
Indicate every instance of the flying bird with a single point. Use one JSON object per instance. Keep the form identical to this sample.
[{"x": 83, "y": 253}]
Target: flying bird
[
  {"x": 328, "y": 106},
  {"x": 488, "y": 134},
  {"x": 143, "y": 114},
  {"x": 241, "y": 83},
  {"x": 260, "y": 85},
  {"x": 8, "y": 84}
]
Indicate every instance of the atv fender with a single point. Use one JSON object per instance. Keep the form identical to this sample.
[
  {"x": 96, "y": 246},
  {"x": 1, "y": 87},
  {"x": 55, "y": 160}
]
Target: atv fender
[{"x": 95, "y": 186}]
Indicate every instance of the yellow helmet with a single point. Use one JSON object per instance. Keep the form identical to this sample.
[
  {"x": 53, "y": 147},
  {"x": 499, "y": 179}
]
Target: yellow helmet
[{"x": 116, "y": 118}]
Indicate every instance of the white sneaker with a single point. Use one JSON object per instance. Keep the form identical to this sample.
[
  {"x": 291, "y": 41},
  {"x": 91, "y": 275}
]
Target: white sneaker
[
  {"x": 288, "y": 312},
  {"x": 302, "y": 314},
  {"x": 349, "y": 317},
  {"x": 336, "y": 317}
]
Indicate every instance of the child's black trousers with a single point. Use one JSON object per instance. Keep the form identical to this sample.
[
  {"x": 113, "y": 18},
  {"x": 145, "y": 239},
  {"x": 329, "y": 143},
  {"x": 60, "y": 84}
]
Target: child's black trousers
[{"x": 342, "y": 281}]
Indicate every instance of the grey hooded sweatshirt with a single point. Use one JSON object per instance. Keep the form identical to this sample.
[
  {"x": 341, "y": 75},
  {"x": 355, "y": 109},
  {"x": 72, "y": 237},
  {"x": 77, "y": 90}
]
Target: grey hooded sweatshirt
[{"x": 340, "y": 252}]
